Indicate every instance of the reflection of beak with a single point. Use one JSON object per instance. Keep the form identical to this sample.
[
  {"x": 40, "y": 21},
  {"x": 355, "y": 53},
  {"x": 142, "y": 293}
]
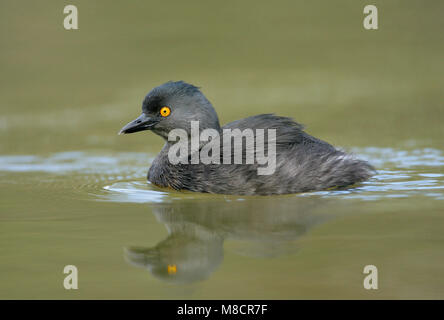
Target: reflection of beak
[
  {"x": 143, "y": 122},
  {"x": 141, "y": 257}
]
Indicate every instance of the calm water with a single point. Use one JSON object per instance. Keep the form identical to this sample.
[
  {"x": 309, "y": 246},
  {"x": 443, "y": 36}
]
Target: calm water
[{"x": 73, "y": 192}]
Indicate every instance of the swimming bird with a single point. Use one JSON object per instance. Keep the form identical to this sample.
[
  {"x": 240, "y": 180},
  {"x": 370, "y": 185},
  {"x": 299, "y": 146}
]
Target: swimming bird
[{"x": 303, "y": 163}]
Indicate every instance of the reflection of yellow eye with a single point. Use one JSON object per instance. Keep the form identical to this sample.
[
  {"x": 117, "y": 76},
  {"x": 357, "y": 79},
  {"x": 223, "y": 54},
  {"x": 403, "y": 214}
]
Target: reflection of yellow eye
[
  {"x": 165, "y": 111},
  {"x": 172, "y": 269}
]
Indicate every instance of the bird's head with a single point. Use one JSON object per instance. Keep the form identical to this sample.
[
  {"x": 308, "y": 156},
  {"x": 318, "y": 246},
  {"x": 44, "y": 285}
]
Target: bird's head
[{"x": 173, "y": 105}]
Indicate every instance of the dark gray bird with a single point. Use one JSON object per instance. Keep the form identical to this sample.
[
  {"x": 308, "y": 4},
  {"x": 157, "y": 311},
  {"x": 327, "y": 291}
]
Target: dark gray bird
[{"x": 303, "y": 163}]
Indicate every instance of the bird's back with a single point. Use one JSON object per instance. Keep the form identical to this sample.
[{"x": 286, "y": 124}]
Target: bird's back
[{"x": 303, "y": 163}]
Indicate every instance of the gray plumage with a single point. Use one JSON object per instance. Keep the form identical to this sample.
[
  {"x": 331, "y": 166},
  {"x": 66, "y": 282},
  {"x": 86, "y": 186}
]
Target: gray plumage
[{"x": 303, "y": 163}]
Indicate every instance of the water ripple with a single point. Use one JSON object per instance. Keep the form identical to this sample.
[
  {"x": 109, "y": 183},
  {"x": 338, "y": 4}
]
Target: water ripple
[{"x": 120, "y": 177}]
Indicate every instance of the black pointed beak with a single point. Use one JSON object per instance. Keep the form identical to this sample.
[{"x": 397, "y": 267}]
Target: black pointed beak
[{"x": 143, "y": 122}]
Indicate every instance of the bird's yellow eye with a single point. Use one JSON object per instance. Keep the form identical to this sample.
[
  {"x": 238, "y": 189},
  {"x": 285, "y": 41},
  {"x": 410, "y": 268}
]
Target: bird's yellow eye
[{"x": 165, "y": 111}]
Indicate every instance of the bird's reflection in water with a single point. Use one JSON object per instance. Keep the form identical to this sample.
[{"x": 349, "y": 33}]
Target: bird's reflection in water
[{"x": 197, "y": 230}]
